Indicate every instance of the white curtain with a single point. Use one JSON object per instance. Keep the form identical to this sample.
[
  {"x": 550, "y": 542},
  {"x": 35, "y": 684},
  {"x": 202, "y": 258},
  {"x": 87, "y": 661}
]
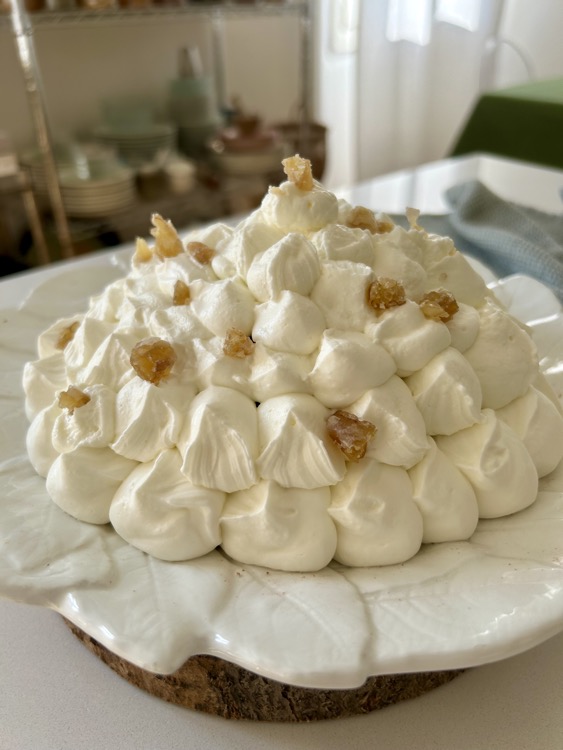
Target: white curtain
[{"x": 420, "y": 67}]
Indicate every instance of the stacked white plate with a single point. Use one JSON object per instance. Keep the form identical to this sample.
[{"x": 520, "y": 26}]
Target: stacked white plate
[
  {"x": 37, "y": 174},
  {"x": 137, "y": 147},
  {"x": 90, "y": 158},
  {"x": 33, "y": 162},
  {"x": 97, "y": 197}
]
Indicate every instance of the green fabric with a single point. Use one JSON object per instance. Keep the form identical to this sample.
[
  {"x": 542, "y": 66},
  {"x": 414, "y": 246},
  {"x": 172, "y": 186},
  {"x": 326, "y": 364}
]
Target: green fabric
[{"x": 522, "y": 122}]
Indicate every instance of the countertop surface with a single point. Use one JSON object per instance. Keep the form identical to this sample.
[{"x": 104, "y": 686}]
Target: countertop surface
[{"x": 54, "y": 694}]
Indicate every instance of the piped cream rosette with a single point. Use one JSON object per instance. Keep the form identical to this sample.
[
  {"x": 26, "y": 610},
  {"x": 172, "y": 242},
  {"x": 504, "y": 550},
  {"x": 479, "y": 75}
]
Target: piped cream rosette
[{"x": 316, "y": 383}]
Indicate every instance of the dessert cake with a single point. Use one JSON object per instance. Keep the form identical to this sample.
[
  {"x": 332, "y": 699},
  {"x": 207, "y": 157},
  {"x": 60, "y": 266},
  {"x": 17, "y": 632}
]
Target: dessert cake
[{"x": 315, "y": 384}]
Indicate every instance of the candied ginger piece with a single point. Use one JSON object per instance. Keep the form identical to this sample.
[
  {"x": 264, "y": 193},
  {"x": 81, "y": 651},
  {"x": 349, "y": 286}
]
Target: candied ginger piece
[
  {"x": 237, "y": 344},
  {"x": 364, "y": 218},
  {"x": 350, "y": 433},
  {"x": 153, "y": 359},
  {"x": 73, "y": 398},
  {"x": 298, "y": 171},
  {"x": 182, "y": 294},
  {"x": 168, "y": 244},
  {"x": 143, "y": 253},
  {"x": 200, "y": 252},
  {"x": 66, "y": 335},
  {"x": 384, "y": 293},
  {"x": 439, "y": 304},
  {"x": 413, "y": 215}
]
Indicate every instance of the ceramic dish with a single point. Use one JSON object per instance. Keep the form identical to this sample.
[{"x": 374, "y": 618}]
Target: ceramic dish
[{"x": 453, "y": 605}]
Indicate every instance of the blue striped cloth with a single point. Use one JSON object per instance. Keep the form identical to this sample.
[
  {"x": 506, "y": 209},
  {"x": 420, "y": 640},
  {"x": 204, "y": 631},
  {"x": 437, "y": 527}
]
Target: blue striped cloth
[{"x": 507, "y": 237}]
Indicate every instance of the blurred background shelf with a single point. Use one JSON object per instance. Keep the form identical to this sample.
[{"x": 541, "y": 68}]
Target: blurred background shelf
[
  {"x": 144, "y": 11},
  {"x": 66, "y": 204},
  {"x": 200, "y": 206}
]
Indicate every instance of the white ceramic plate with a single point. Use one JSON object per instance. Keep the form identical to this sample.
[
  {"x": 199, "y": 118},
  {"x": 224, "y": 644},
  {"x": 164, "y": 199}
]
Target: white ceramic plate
[{"x": 453, "y": 605}]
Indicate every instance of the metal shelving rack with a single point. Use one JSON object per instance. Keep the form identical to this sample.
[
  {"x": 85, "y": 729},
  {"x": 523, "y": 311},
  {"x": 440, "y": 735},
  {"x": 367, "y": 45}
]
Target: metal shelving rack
[{"x": 25, "y": 25}]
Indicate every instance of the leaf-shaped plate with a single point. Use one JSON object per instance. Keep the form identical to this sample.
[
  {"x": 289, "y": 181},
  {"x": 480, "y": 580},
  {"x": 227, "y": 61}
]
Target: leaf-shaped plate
[{"x": 453, "y": 605}]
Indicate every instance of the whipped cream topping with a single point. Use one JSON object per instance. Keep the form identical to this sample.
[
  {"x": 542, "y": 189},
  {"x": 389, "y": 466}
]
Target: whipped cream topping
[
  {"x": 211, "y": 367},
  {"x": 219, "y": 435},
  {"x": 377, "y": 521},
  {"x": 291, "y": 264},
  {"x": 47, "y": 341},
  {"x": 446, "y": 267},
  {"x": 276, "y": 373},
  {"x": 89, "y": 336},
  {"x": 453, "y": 272},
  {"x": 445, "y": 498},
  {"x": 84, "y": 482},
  {"x": 39, "y": 439},
  {"x": 90, "y": 426},
  {"x": 348, "y": 364},
  {"x": 158, "y": 510},
  {"x": 179, "y": 324},
  {"x": 292, "y": 323},
  {"x": 340, "y": 294},
  {"x": 542, "y": 384},
  {"x": 294, "y": 210},
  {"x": 149, "y": 418},
  {"x": 401, "y": 438},
  {"x": 216, "y": 237},
  {"x": 391, "y": 262},
  {"x": 338, "y": 242},
  {"x": 537, "y": 422},
  {"x": 109, "y": 363},
  {"x": 142, "y": 296},
  {"x": 180, "y": 268},
  {"x": 219, "y": 440},
  {"x": 295, "y": 450},
  {"x": 447, "y": 393},
  {"x": 40, "y": 379},
  {"x": 271, "y": 525},
  {"x": 409, "y": 337},
  {"x": 107, "y": 306},
  {"x": 496, "y": 463},
  {"x": 503, "y": 356},
  {"x": 254, "y": 236},
  {"x": 221, "y": 305},
  {"x": 464, "y": 327}
]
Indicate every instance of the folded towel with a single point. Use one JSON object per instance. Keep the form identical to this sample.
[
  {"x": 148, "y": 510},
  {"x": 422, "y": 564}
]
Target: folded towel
[{"x": 506, "y": 237}]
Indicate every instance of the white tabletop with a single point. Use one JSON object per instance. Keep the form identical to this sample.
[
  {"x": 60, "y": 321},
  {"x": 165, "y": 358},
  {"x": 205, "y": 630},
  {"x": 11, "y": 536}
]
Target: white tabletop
[{"x": 54, "y": 694}]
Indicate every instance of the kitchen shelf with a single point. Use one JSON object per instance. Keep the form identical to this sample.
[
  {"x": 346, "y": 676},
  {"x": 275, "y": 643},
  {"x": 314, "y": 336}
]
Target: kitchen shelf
[
  {"x": 25, "y": 25},
  {"x": 180, "y": 9}
]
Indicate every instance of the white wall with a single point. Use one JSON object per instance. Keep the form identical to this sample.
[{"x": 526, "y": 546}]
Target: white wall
[
  {"x": 535, "y": 30},
  {"x": 81, "y": 65}
]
